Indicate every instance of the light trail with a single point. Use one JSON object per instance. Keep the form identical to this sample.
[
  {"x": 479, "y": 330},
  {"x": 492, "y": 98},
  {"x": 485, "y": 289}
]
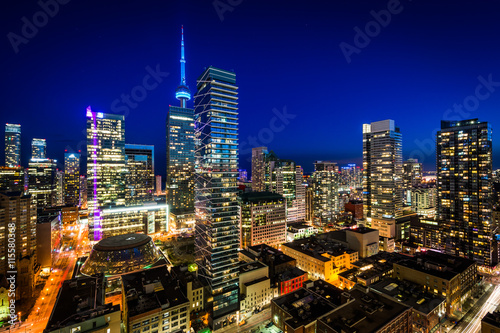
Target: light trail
[{"x": 489, "y": 306}]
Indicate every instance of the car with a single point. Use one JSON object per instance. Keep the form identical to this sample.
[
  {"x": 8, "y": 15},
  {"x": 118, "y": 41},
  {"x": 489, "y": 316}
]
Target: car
[
  {"x": 242, "y": 322},
  {"x": 269, "y": 324}
]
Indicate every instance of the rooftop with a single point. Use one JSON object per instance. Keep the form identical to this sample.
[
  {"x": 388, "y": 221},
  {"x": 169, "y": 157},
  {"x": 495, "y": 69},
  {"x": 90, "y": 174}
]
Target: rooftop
[
  {"x": 492, "y": 318},
  {"x": 306, "y": 305},
  {"x": 437, "y": 264},
  {"x": 317, "y": 246},
  {"x": 79, "y": 300},
  {"x": 268, "y": 254},
  {"x": 251, "y": 266},
  {"x": 367, "y": 312},
  {"x": 409, "y": 294},
  {"x": 151, "y": 289}
]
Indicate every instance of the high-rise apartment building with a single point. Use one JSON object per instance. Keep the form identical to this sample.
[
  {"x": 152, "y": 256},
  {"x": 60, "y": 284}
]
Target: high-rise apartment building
[
  {"x": 382, "y": 170},
  {"x": 325, "y": 187},
  {"x": 139, "y": 160},
  {"x": 263, "y": 219},
  {"x": 286, "y": 178},
  {"x": 18, "y": 209},
  {"x": 12, "y": 145},
  {"x": 464, "y": 205},
  {"x": 42, "y": 182},
  {"x": 258, "y": 168},
  {"x": 180, "y": 148},
  {"x": 12, "y": 179},
  {"x": 38, "y": 148},
  {"x": 216, "y": 192},
  {"x": 412, "y": 176},
  {"x": 72, "y": 179},
  {"x": 105, "y": 166}
]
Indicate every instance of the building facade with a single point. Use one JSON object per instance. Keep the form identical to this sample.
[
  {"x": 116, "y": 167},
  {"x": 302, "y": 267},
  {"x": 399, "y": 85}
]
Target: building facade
[
  {"x": 38, "y": 148},
  {"x": 258, "y": 168},
  {"x": 382, "y": 170},
  {"x": 216, "y": 192},
  {"x": 139, "y": 160},
  {"x": 72, "y": 179},
  {"x": 42, "y": 183},
  {"x": 106, "y": 169},
  {"x": 325, "y": 185},
  {"x": 263, "y": 219},
  {"x": 464, "y": 170}
]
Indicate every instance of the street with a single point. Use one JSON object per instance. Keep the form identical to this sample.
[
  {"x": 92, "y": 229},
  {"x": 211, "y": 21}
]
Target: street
[{"x": 62, "y": 270}]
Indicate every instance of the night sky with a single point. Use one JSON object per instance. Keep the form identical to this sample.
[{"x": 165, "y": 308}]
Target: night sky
[{"x": 308, "y": 79}]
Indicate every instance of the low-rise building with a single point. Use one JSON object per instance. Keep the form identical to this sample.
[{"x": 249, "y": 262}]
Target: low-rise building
[
  {"x": 355, "y": 207},
  {"x": 491, "y": 323},
  {"x": 290, "y": 280},
  {"x": 299, "y": 230},
  {"x": 440, "y": 274},
  {"x": 255, "y": 287},
  {"x": 428, "y": 310},
  {"x": 321, "y": 258},
  {"x": 80, "y": 307},
  {"x": 298, "y": 312},
  {"x": 367, "y": 311},
  {"x": 153, "y": 299}
]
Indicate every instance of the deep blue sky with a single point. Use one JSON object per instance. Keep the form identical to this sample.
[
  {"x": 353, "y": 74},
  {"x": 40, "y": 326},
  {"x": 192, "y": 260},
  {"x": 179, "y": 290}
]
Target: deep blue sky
[{"x": 285, "y": 54}]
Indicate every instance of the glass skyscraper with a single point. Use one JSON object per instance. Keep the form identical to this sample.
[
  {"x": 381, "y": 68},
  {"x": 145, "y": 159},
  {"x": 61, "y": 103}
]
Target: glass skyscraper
[
  {"x": 72, "y": 179},
  {"x": 325, "y": 186},
  {"x": 180, "y": 148},
  {"x": 464, "y": 205},
  {"x": 42, "y": 183},
  {"x": 105, "y": 166},
  {"x": 12, "y": 145},
  {"x": 38, "y": 148},
  {"x": 216, "y": 192},
  {"x": 382, "y": 170},
  {"x": 140, "y": 173}
]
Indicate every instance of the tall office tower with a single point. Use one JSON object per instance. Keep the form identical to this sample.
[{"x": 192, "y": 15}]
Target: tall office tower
[
  {"x": 464, "y": 168},
  {"x": 263, "y": 219},
  {"x": 18, "y": 209},
  {"x": 180, "y": 148},
  {"x": 105, "y": 166},
  {"x": 309, "y": 204},
  {"x": 83, "y": 192},
  {"x": 140, "y": 179},
  {"x": 38, "y": 148},
  {"x": 12, "y": 179},
  {"x": 382, "y": 170},
  {"x": 42, "y": 183},
  {"x": 258, "y": 168},
  {"x": 158, "y": 187},
  {"x": 412, "y": 176},
  {"x": 59, "y": 187},
  {"x": 72, "y": 179},
  {"x": 325, "y": 186},
  {"x": 216, "y": 192},
  {"x": 12, "y": 145}
]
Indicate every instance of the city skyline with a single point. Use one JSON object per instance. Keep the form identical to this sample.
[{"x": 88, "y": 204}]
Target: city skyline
[{"x": 387, "y": 90}]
